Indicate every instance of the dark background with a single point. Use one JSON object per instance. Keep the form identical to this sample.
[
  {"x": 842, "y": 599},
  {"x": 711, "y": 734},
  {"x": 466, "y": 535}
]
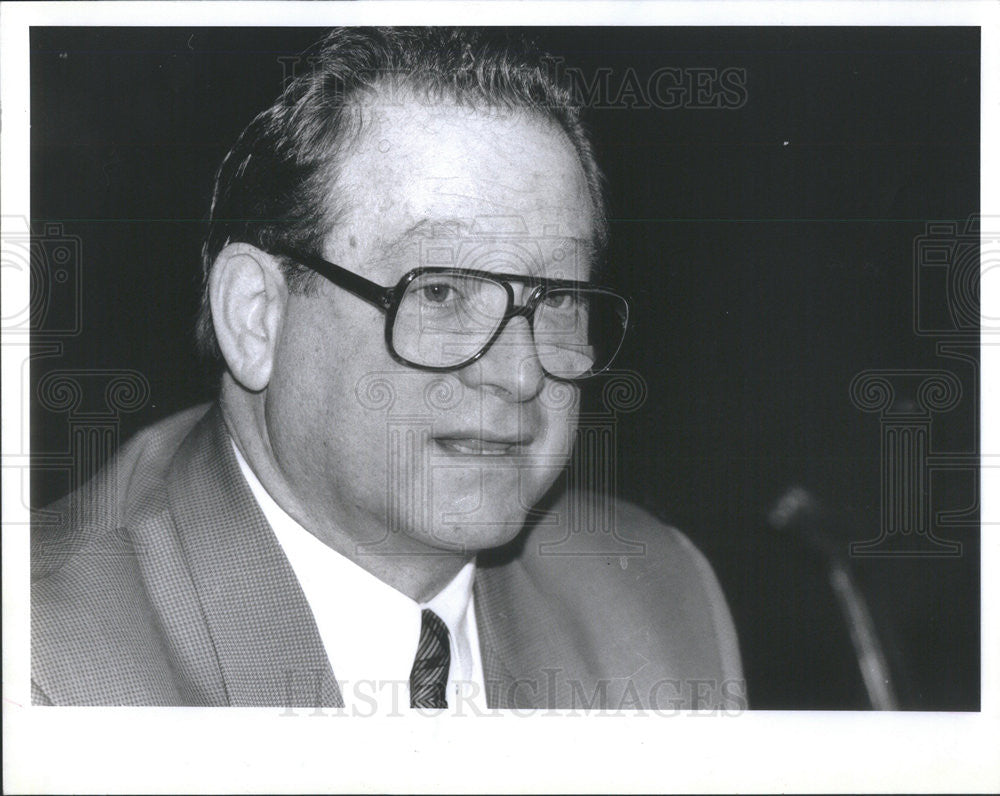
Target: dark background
[{"x": 769, "y": 250}]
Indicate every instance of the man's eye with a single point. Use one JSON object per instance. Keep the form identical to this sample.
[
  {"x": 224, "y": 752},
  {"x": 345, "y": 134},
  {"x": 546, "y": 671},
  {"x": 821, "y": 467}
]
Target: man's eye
[
  {"x": 438, "y": 293},
  {"x": 559, "y": 301}
]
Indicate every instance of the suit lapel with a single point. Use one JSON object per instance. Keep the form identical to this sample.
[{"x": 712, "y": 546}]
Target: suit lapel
[
  {"x": 499, "y": 680},
  {"x": 266, "y": 641}
]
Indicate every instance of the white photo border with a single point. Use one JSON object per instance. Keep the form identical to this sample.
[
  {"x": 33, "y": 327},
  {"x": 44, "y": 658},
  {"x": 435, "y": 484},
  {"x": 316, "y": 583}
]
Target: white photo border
[{"x": 105, "y": 750}]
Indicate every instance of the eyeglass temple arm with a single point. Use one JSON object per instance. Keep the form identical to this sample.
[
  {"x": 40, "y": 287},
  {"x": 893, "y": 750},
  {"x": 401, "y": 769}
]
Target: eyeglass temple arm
[{"x": 370, "y": 291}]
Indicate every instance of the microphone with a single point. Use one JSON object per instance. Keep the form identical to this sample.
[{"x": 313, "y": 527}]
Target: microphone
[{"x": 799, "y": 514}]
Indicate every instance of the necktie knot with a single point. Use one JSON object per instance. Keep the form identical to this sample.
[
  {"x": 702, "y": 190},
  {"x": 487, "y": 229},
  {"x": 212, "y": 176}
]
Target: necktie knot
[{"x": 429, "y": 675}]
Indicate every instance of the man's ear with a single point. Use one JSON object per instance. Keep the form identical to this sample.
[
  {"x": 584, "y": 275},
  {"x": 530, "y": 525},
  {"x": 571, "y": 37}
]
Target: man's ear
[{"x": 248, "y": 295}]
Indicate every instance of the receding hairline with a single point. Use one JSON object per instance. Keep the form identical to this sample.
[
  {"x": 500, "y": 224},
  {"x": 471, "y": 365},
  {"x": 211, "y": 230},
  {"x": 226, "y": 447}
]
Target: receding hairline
[{"x": 363, "y": 127}]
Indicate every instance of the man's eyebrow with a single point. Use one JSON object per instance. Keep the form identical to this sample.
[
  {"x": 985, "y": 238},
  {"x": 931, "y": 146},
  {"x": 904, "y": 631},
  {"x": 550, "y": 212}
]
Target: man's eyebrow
[
  {"x": 472, "y": 229},
  {"x": 429, "y": 228}
]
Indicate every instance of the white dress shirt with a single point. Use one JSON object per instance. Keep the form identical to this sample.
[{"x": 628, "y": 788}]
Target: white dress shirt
[{"x": 369, "y": 629}]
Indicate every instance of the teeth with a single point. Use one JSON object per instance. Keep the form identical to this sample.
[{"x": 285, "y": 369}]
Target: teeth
[{"x": 477, "y": 447}]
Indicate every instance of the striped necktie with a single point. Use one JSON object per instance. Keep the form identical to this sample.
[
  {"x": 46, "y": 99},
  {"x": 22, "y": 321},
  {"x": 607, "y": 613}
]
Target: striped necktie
[{"x": 429, "y": 675}]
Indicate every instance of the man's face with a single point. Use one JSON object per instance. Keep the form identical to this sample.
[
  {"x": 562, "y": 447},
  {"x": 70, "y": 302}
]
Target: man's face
[{"x": 412, "y": 460}]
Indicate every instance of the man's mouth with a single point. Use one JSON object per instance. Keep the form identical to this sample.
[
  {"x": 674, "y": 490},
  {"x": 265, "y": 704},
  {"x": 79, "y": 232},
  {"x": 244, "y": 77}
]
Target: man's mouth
[{"x": 479, "y": 446}]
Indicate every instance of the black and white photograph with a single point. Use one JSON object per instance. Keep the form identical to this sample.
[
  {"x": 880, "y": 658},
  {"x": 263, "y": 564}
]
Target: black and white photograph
[{"x": 394, "y": 374}]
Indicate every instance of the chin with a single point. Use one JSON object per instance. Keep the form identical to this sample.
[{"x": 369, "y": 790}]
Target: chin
[
  {"x": 468, "y": 506},
  {"x": 468, "y": 538},
  {"x": 478, "y": 519}
]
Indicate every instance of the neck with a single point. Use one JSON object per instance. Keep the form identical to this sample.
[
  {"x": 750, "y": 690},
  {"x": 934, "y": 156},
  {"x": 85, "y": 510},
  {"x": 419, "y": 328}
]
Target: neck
[{"x": 394, "y": 558}]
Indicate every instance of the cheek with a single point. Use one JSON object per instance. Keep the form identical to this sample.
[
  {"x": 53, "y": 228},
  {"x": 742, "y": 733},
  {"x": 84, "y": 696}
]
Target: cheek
[
  {"x": 300, "y": 421},
  {"x": 319, "y": 402},
  {"x": 559, "y": 403}
]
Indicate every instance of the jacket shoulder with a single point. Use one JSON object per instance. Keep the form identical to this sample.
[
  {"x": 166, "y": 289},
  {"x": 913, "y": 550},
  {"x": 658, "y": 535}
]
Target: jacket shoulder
[
  {"x": 94, "y": 625},
  {"x": 128, "y": 489},
  {"x": 633, "y": 582}
]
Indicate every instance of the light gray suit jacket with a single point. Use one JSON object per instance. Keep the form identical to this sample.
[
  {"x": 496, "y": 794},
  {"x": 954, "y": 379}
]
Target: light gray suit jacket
[{"x": 163, "y": 584}]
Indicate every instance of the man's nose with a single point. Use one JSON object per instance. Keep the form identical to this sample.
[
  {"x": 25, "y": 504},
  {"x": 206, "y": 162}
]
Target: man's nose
[{"x": 510, "y": 368}]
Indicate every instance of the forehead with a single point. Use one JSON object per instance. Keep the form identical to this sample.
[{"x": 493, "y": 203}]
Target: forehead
[{"x": 453, "y": 175}]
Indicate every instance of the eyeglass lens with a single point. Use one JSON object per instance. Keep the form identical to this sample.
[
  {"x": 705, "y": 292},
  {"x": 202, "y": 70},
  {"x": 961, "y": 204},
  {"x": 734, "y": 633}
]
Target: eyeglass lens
[{"x": 444, "y": 320}]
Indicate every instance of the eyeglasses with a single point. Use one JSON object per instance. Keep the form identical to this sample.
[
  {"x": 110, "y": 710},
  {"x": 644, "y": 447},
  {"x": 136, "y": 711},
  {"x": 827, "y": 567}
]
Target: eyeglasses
[{"x": 443, "y": 319}]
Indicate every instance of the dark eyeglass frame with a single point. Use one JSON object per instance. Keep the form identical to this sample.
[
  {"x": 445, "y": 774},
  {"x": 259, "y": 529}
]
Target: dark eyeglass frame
[{"x": 388, "y": 299}]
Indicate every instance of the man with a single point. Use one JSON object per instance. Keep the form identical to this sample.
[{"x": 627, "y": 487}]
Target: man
[{"x": 402, "y": 288}]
